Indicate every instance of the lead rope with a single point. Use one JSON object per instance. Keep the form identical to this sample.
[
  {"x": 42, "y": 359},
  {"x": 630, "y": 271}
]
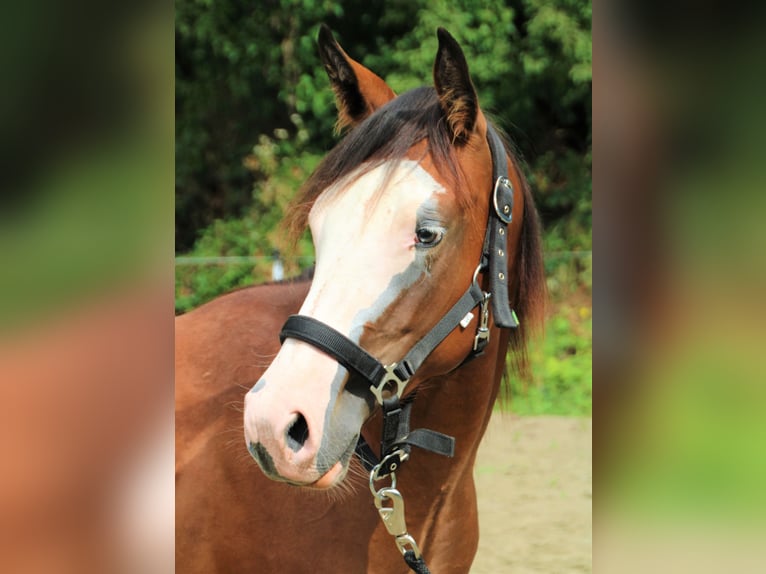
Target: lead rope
[
  {"x": 416, "y": 564},
  {"x": 393, "y": 516}
]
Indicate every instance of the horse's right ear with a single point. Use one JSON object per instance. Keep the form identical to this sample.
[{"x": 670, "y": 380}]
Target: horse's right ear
[{"x": 358, "y": 91}]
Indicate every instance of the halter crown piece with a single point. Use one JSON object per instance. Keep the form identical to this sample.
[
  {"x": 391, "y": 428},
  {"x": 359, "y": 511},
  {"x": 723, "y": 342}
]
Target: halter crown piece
[{"x": 387, "y": 382}]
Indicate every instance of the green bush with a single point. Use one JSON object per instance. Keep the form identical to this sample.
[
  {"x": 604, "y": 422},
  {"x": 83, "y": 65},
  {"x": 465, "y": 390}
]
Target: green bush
[
  {"x": 561, "y": 366},
  {"x": 280, "y": 166}
]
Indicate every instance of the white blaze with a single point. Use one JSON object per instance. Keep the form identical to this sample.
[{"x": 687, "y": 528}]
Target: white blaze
[
  {"x": 366, "y": 255},
  {"x": 364, "y": 238}
]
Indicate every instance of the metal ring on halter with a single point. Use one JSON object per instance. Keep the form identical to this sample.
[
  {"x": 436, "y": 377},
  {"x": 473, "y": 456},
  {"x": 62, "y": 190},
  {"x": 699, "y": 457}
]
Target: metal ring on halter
[
  {"x": 374, "y": 477},
  {"x": 372, "y": 483},
  {"x": 407, "y": 540},
  {"x": 389, "y": 376},
  {"x": 479, "y": 267},
  {"x": 382, "y": 464}
]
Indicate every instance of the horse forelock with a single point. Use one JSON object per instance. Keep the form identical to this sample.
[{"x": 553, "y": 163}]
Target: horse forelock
[{"x": 388, "y": 136}]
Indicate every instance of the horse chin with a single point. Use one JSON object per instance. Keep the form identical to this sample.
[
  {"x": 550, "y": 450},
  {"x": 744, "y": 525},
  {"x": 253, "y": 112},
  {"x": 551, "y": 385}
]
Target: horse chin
[
  {"x": 331, "y": 478},
  {"x": 337, "y": 472},
  {"x": 334, "y": 475}
]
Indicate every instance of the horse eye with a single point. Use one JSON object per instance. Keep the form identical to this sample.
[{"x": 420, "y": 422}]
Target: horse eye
[{"x": 428, "y": 237}]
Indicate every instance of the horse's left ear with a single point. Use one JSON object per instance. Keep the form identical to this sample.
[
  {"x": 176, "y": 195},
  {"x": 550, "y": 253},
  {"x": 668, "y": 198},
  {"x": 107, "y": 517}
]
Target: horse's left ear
[
  {"x": 454, "y": 87},
  {"x": 358, "y": 91}
]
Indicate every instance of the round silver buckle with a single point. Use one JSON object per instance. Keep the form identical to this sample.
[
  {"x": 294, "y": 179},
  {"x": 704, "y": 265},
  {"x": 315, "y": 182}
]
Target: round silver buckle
[{"x": 504, "y": 211}]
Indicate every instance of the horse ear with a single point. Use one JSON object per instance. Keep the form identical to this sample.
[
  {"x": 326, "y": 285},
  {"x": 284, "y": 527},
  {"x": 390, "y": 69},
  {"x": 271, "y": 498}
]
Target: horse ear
[
  {"x": 358, "y": 91},
  {"x": 454, "y": 87}
]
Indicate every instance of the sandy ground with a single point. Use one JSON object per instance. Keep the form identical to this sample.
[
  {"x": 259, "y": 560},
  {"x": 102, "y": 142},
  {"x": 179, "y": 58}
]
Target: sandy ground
[{"x": 533, "y": 477}]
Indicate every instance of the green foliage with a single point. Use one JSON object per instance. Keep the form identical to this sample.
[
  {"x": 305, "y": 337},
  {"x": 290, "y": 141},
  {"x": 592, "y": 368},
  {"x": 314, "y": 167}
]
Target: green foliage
[
  {"x": 237, "y": 67},
  {"x": 248, "y": 69},
  {"x": 282, "y": 166},
  {"x": 561, "y": 366}
]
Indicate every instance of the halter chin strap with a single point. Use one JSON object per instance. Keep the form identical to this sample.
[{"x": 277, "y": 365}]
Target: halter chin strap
[{"x": 387, "y": 382}]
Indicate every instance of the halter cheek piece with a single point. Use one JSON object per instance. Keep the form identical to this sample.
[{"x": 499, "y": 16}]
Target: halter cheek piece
[{"x": 387, "y": 382}]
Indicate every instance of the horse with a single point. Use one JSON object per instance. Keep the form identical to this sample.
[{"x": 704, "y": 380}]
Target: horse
[{"x": 428, "y": 270}]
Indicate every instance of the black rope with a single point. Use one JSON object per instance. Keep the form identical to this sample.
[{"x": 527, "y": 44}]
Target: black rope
[{"x": 416, "y": 564}]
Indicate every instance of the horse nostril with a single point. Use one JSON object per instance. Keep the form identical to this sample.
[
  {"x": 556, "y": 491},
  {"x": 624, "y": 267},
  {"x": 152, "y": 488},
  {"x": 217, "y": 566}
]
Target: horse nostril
[{"x": 297, "y": 433}]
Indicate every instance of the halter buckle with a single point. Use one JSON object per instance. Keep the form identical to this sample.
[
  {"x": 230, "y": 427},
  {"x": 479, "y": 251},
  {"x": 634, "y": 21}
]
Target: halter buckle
[
  {"x": 390, "y": 376},
  {"x": 502, "y": 198},
  {"x": 481, "y": 339}
]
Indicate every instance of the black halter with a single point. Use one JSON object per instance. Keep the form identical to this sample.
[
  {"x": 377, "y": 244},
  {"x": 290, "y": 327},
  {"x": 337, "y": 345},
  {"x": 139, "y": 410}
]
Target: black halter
[{"x": 387, "y": 382}]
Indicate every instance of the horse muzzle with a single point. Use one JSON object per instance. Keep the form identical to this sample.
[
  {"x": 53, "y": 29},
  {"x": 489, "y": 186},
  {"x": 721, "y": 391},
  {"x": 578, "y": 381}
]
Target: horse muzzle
[{"x": 302, "y": 429}]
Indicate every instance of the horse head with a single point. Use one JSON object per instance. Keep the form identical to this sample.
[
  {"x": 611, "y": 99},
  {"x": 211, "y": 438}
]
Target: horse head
[{"x": 398, "y": 212}]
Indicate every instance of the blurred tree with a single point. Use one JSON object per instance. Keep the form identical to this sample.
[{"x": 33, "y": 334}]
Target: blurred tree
[
  {"x": 237, "y": 67},
  {"x": 248, "y": 76}
]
